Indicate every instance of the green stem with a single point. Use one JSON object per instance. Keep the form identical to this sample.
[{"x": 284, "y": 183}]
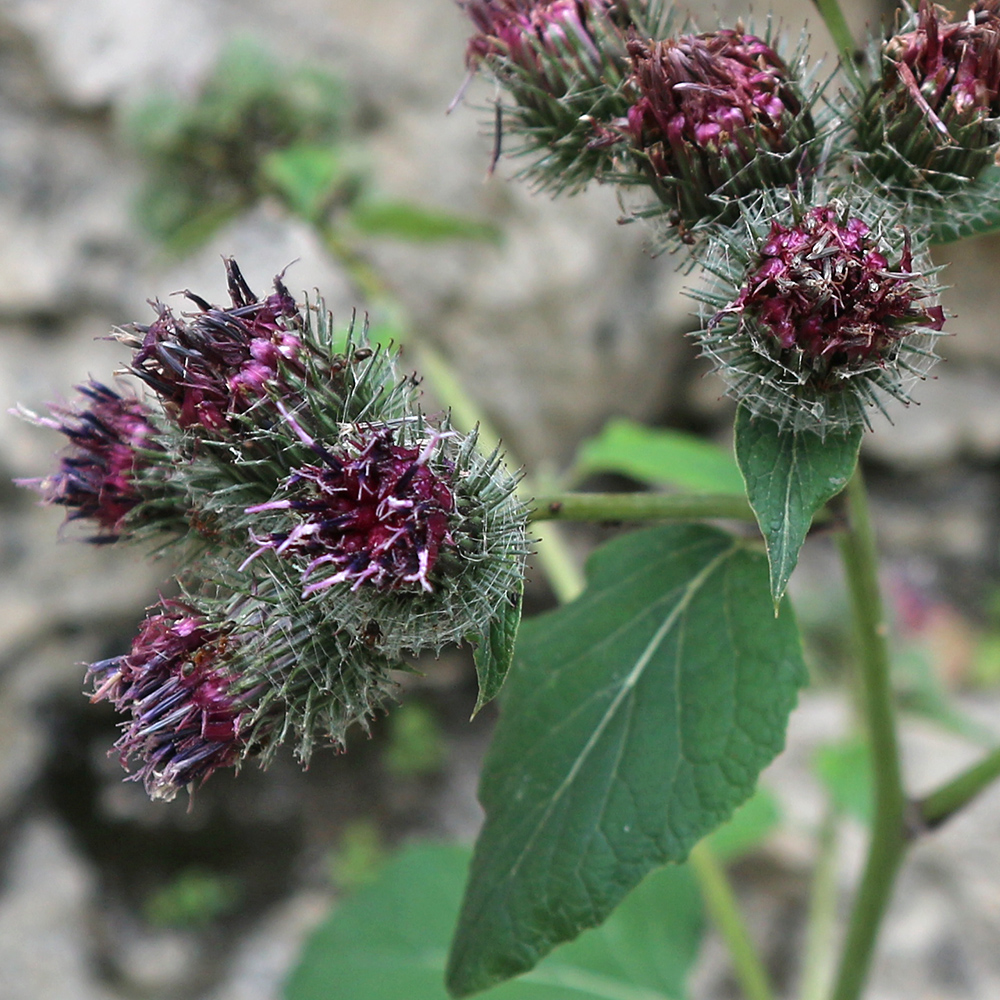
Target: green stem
[
  {"x": 943, "y": 803},
  {"x": 725, "y": 912},
  {"x": 817, "y": 956},
  {"x": 888, "y": 839},
  {"x": 836, "y": 24},
  {"x": 639, "y": 507}
]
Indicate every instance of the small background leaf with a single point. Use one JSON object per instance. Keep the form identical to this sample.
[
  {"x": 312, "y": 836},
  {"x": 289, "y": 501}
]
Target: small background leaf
[
  {"x": 635, "y": 720},
  {"x": 389, "y": 941},
  {"x": 660, "y": 457},
  {"x": 495, "y": 650},
  {"x": 405, "y": 221},
  {"x": 845, "y": 769},
  {"x": 308, "y": 177},
  {"x": 789, "y": 476}
]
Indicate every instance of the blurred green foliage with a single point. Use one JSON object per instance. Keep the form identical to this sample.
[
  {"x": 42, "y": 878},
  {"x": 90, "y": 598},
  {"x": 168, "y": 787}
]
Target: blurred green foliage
[
  {"x": 261, "y": 129},
  {"x": 358, "y": 857},
  {"x": 194, "y": 898},
  {"x": 416, "y": 746}
]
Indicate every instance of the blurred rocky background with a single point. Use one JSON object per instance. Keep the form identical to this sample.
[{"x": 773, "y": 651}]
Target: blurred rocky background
[{"x": 564, "y": 321}]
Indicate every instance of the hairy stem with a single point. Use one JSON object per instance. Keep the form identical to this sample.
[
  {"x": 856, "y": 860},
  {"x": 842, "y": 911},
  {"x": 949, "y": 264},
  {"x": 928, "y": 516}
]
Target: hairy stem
[
  {"x": 639, "y": 507},
  {"x": 888, "y": 839},
  {"x": 725, "y": 912},
  {"x": 941, "y": 804}
]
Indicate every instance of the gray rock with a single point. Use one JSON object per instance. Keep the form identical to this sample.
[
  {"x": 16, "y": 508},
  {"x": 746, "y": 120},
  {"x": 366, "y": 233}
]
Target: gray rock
[{"x": 44, "y": 919}]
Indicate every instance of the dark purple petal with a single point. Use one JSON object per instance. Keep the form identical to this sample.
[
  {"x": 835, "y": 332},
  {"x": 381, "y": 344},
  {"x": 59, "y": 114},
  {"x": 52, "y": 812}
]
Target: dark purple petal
[
  {"x": 95, "y": 481},
  {"x": 374, "y": 514},
  {"x": 824, "y": 287},
  {"x": 221, "y": 361},
  {"x": 173, "y": 685}
]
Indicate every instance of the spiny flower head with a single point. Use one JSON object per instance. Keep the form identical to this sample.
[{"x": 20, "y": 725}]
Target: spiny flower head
[
  {"x": 563, "y": 64},
  {"x": 96, "y": 481},
  {"x": 528, "y": 31},
  {"x": 823, "y": 311},
  {"x": 374, "y": 514},
  {"x": 716, "y": 114},
  {"x": 399, "y": 523},
  {"x": 929, "y": 120},
  {"x": 174, "y": 685},
  {"x": 208, "y": 367}
]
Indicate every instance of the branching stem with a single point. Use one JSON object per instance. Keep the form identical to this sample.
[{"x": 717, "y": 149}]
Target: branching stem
[
  {"x": 942, "y": 804},
  {"x": 639, "y": 507}
]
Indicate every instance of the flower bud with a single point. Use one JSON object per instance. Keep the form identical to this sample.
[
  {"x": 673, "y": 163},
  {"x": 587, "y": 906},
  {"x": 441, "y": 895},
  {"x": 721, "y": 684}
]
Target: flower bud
[
  {"x": 929, "y": 122},
  {"x": 820, "y": 313},
  {"x": 110, "y": 441},
  {"x": 714, "y": 117}
]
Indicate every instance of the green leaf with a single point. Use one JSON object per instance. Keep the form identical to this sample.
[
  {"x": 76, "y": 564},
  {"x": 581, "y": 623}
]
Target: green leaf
[
  {"x": 846, "y": 770},
  {"x": 789, "y": 475},
  {"x": 307, "y": 177},
  {"x": 973, "y": 211},
  {"x": 404, "y": 221},
  {"x": 390, "y": 940},
  {"x": 635, "y": 720},
  {"x": 495, "y": 650},
  {"x": 750, "y": 825},
  {"x": 664, "y": 457}
]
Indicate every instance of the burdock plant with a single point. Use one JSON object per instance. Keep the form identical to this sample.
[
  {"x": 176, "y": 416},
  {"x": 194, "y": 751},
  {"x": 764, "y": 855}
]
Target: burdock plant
[{"x": 327, "y": 529}]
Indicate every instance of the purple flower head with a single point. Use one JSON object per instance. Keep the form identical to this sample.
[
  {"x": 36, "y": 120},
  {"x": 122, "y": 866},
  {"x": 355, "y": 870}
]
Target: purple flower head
[
  {"x": 930, "y": 123},
  {"x": 707, "y": 103},
  {"x": 373, "y": 514},
  {"x": 824, "y": 289},
  {"x": 950, "y": 68},
  {"x": 552, "y": 41},
  {"x": 96, "y": 480},
  {"x": 174, "y": 685},
  {"x": 220, "y": 361}
]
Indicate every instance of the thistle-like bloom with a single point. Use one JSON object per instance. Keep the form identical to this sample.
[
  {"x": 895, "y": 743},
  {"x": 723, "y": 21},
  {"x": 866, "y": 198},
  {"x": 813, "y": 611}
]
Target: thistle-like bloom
[
  {"x": 716, "y": 114},
  {"x": 373, "y": 514},
  {"x": 174, "y": 685},
  {"x": 930, "y": 120},
  {"x": 563, "y": 64},
  {"x": 220, "y": 361},
  {"x": 827, "y": 310},
  {"x": 96, "y": 480},
  {"x": 552, "y": 41}
]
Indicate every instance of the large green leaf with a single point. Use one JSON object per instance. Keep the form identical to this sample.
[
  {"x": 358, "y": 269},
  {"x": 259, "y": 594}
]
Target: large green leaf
[
  {"x": 495, "y": 650},
  {"x": 390, "y": 940},
  {"x": 635, "y": 720},
  {"x": 660, "y": 456},
  {"x": 973, "y": 211},
  {"x": 789, "y": 475}
]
